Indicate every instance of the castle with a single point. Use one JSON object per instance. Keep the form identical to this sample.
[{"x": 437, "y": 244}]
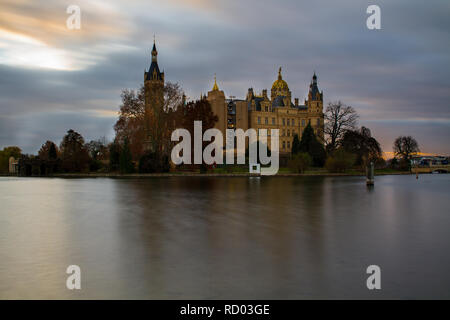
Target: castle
[{"x": 256, "y": 111}]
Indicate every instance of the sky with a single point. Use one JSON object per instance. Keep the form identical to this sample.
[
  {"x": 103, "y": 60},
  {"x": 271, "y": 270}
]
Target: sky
[{"x": 53, "y": 79}]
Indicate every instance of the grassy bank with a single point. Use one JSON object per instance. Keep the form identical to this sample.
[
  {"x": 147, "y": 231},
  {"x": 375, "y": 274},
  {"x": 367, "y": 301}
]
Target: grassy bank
[{"x": 235, "y": 171}]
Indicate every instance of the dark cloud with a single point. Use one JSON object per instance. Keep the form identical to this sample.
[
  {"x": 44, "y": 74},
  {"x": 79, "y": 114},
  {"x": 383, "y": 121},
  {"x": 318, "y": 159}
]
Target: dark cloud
[{"x": 397, "y": 77}]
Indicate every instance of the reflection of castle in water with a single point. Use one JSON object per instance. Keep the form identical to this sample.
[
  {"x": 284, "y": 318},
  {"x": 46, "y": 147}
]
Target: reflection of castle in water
[{"x": 256, "y": 111}]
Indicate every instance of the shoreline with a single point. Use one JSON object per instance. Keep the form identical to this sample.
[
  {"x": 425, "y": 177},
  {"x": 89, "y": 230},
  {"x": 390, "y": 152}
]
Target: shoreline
[{"x": 194, "y": 174}]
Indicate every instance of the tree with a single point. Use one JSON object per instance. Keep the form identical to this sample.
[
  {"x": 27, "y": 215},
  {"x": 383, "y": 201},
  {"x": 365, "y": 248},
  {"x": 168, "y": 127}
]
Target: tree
[
  {"x": 150, "y": 162},
  {"x": 5, "y": 154},
  {"x": 114, "y": 156},
  {"x": 48, "y": 151},
  {"x": 155, "y": 127},
  {"x": 404, "y": 147},
  {"x": 363, "y": 145},
  {"x": 199, "y": 110},
  {"x": 74, "y": 155},
  {"x": 126, "y": 162},
  {"x": 295, "y": 145},
  {"x": 338, "y": 119},
  {"x": 311, "y": 145},
  {"x": 98, "y": 149},
  {"x": 300, "y": 162},
  {"x": 340, "y": 161},
  {"x": 131, "y": 122}
]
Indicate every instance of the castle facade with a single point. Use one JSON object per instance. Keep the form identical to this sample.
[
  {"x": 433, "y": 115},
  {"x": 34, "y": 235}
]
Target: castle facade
[
  {"x": 255, "y": 111},
  {"x": 276, "y": 112}
]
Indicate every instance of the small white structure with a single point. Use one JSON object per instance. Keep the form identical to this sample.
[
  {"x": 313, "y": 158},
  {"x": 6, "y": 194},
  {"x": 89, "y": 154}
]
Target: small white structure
[{"x": 13, "y": 165}]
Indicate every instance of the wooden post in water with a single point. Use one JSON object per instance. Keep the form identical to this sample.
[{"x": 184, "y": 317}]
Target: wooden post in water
[{"x": 370, "y": 179}]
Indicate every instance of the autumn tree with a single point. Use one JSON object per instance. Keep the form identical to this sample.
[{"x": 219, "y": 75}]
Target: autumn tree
[
  {"x": 48, "y": 151},
  {"x": 74, "y": 155},
  {"x": 405, "y": 147},
  {"x": 199, "y": 110},
  {"x": 156, "y": 128},
  {"x": 131, "y": 124},
  {"x": 338, "y": 119}
]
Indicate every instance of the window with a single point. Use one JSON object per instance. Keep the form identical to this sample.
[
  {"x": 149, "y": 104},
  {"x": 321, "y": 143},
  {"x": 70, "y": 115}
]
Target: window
[
  {"x": 303, "y": 122},
  {"x": 289, "y": 144},
  {"x": 283, "y": 132},
  {"x": 266, "y": 120},
  {"x": 318, "y": 122},
  {"x": 273, "y": 121},
  {"x": 289, "y": 133},
  {"x": 267, "y": 109},
  {"x": 293, "y": 122},
  {"x": 284, "y": 145},
  {"x": 284, "y": 121},
  {"x": 259, "y": 120},
  {"x": 288, "y": 122}
]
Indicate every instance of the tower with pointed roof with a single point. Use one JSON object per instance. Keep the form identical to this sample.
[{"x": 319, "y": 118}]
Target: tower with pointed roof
[
  {"x": 314, "y": 105},
  {"x": 216, "y": 98},
  {"x": 154, "y": 92}
]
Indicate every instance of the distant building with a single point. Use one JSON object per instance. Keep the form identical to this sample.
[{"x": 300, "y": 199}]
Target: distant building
[
  {"x": 276, "y": 112},
  {"x": 420, "y": 160},
  {"x": 256, "y": 111}
]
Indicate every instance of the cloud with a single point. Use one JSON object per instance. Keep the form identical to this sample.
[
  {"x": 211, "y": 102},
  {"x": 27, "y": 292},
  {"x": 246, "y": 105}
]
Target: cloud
[{"x": 396, "y": 77}]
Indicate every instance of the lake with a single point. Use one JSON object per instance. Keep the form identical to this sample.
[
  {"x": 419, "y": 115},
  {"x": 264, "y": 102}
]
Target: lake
[{"x": 225, "y": 237}]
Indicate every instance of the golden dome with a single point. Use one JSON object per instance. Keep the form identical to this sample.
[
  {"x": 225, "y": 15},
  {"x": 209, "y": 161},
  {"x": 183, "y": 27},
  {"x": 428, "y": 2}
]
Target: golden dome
[{"x": 280, "y": 84}]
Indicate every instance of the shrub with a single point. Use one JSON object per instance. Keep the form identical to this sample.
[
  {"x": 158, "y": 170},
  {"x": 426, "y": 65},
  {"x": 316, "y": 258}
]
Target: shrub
[
  {"x": 151, "y": 162},
  {"x": 340, "y": 161},
  {"x": 300, "y": 162}
]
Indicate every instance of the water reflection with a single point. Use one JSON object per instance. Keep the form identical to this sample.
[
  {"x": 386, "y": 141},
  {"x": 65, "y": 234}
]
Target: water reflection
[{"x": 308, "y": 237}]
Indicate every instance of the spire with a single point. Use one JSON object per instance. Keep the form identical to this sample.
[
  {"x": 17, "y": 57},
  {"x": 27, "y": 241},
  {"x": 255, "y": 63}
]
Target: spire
[
  {"x": 153, "y": 72},
  {"x": 314, "y": 93},
  {"x": 215, "y": 87},
  {"x": 154, "y": 51},
  {"x": 279, "y": 74}
]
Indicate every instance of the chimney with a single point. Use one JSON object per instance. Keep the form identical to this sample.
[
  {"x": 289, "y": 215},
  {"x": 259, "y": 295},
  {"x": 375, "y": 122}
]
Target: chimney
[{"x": 296, "y": 102}]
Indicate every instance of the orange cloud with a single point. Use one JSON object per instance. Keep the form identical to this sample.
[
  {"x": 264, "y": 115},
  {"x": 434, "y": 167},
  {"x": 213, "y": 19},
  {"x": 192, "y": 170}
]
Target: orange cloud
[{"x": 34, "y": 34}]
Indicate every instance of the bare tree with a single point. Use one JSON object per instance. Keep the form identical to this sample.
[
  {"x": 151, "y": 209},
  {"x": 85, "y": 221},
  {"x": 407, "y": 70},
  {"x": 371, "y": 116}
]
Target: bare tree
[
  {"x": 404, "y": 147},
  {"x": 338, "y": 119}
]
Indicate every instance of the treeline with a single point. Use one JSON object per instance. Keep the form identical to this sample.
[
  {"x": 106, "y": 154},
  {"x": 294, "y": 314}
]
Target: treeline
[
  {"x": 142, "y": 141},
  {"x": 346, "y": 146}
]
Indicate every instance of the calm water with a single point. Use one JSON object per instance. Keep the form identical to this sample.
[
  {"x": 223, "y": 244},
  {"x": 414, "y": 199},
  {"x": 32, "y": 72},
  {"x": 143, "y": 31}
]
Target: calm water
[{"x": 278, "y": 238}]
